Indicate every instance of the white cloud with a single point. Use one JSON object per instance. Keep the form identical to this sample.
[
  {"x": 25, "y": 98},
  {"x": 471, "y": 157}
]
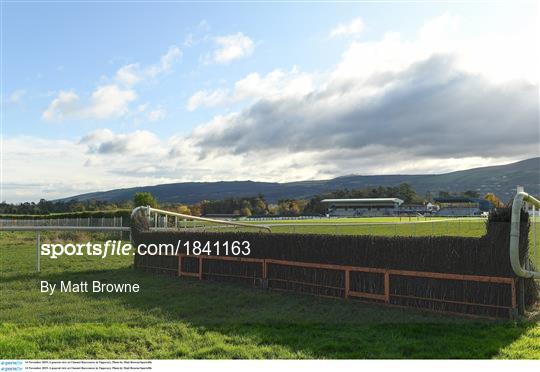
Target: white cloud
[
  {"x": 204, "y": 26},
  {"x": 65, "y": 104},
  {"x": 354, "y": 27},
  {"x": 414, "y": 98},
  {"x": 133, "y": 73},
  {"x": 37, "y": 168},
  {"x": 441, "y": 27},
  {"x": 231, "y": 47},
  {"x": 17, "y": 96},
  {"x": 168, "y": 59},
  {"x": 108, "y": 101},
  {"x": 157, "y": 115},
  {"x": 206, "y": 98},
  {"x": 129, "y": 74},
  {"x": 111, "y": 100},
  {"x": 105, "y": 141},
  {"x": 276, "y": 84}
]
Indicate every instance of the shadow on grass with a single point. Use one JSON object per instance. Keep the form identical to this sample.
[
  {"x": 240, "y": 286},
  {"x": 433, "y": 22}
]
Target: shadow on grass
[{"x": 306, "y": 325}]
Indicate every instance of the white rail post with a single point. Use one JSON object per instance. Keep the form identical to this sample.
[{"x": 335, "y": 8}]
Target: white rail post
[
  {"x": 522, "y": 272},
  {"x": 38, "y": 251},
  {"x": 534, "y": 230}
]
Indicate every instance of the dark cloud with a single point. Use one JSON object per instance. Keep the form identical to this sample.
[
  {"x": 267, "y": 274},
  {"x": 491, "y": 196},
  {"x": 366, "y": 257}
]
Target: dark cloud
[{"x": 430, "y": 110}]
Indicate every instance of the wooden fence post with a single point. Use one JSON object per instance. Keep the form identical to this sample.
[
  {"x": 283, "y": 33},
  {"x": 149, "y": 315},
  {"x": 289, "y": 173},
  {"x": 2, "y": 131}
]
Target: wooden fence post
[
  {"x": 515, "y": 311},
  {"x": 347, "y": 282},
  {"x": 264, "y": 274},
  {"x": 38, "y": 251},
  {"x": 387, "y": 286},
  {"x": 200, "y": 267}
]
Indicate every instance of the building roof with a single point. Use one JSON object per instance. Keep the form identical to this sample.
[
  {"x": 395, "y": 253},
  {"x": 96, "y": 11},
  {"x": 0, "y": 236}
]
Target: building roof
[
  {"x": 365, "y": 201},
  {"x": 455, "y": 199}
]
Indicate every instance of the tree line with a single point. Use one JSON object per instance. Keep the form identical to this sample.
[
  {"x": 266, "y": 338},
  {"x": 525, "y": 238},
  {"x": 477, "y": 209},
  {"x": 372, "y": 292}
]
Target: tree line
[
  {"x": 44, "y": 207},
  {"x": 237, "y": 206}
]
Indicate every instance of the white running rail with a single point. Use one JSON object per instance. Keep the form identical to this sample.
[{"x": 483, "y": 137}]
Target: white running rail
[
  {"x": 520, "y": 198},
  {"x": 147, "y": 210}
]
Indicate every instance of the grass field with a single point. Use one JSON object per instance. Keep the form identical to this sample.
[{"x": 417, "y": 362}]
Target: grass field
[
  {"x": 183, "y": 318},
  {"x": 381, "y": 226}
]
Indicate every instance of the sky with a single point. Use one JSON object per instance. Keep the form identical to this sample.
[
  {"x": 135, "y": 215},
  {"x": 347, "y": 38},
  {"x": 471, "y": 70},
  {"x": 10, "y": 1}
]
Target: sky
[{"x": 98, "y": 96}]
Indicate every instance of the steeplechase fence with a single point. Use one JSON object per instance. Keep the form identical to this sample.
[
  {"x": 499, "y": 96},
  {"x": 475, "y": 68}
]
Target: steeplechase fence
[{"x": 461, "y": 275}]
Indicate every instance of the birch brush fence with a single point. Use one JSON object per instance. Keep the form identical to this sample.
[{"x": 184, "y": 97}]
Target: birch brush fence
[{"x": 461, "y": 275}]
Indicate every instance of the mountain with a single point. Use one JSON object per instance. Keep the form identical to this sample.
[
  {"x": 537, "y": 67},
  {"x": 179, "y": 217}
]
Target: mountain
[{"x": 499, "y": 179}]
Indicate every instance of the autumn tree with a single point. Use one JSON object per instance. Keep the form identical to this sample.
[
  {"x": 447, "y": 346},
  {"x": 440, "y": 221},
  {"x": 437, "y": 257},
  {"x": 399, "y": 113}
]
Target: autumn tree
[
  {"x": 183, "y": 209},
  {"x": 494, "y": 200},
  {"x": 246, "y": 212}
]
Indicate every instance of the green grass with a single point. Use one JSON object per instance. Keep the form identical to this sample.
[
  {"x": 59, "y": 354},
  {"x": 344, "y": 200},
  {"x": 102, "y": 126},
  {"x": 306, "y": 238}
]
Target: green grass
[
  {"x": 473, "y": 228},
  {"x": 534, "y": 242},
  {"x": 184, "y": 318},
  {"x": 364, "y": 220},
  {"x": 380, "y": 226}
]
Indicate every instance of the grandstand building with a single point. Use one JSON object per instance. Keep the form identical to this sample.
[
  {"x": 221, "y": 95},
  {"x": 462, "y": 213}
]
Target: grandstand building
[
  {"x": 416, "y": 209},
  {"x": 461, "y": 206},
  {"x": 371, "y": 207}
]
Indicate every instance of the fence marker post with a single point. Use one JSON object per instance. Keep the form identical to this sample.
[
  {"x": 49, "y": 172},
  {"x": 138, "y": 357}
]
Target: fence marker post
[
  {"x": 347, "y": 282},
  {"x": 534, "y": 229},
  {"x": 264, "y": 275},
  {"x": 387, "y": 286},
  {"x": 38, "y": 253},
  {"x": 121, "y": 224},
  {"x": 200, "y": 267}
]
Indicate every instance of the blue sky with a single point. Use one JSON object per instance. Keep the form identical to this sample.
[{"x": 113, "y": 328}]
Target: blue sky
[{"x": 117, "y": 95}]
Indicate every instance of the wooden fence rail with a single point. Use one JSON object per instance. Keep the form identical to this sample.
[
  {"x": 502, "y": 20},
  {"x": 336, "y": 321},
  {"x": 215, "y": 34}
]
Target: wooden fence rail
[{"x": 386, "y": 296}]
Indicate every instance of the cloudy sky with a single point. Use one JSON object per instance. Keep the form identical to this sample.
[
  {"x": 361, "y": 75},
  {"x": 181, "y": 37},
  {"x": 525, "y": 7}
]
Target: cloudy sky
[{"x": 102, "y": 96}]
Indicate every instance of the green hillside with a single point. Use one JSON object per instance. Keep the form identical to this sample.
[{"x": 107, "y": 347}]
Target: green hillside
[{"x": 501, "y": 180}]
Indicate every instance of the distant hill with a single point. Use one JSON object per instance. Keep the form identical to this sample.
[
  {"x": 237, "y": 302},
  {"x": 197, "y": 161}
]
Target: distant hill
[{"x": 500, "y": 179}]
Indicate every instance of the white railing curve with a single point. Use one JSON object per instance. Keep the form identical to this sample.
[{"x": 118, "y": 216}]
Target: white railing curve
[
  {"x": 147, "y": 210},
  {"x": 520, "y": 198}
]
